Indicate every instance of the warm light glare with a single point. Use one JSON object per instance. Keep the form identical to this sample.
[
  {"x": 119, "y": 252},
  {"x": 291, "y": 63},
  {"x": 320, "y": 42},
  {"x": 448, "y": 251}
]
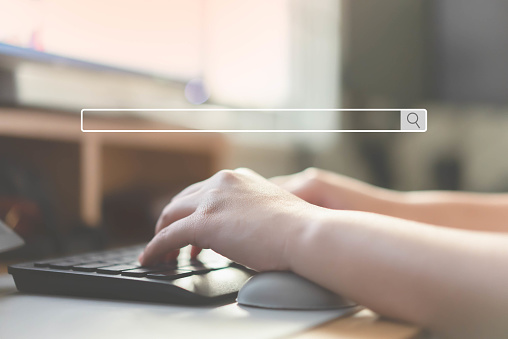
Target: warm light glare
[
  {"x": 241, "y": 49},
  {"x": 158, "y": 36}
]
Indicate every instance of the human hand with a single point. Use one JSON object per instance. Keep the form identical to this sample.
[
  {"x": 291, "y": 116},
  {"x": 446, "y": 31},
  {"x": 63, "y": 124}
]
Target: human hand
[
  {"x": 236, "y": 213},
  {"x": 334, "y": 191}
]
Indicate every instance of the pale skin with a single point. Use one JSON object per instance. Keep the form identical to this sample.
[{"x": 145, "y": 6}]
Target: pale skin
[{"x": 386, "y": 250}]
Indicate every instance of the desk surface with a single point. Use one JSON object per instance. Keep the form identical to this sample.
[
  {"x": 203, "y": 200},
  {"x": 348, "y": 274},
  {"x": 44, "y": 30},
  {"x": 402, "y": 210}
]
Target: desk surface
[{"x": 363, "y": 325}]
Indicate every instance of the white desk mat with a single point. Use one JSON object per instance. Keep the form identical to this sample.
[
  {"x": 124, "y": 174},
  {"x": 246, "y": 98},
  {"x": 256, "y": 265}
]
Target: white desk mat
[{"x": 37, "y": 316}]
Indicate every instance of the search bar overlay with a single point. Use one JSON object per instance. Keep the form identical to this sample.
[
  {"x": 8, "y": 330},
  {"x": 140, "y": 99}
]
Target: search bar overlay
[
  {"x": 413, "y": 120},
  {"x": 253, "y": 120}
]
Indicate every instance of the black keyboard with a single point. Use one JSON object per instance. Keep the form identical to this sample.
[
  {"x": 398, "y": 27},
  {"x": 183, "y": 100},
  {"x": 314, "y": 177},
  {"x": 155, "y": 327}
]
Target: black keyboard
[{"x": 116, "y": 274}]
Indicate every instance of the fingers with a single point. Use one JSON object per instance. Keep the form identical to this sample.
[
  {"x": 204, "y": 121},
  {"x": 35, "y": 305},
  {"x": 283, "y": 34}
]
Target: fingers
[
  {"x": 171, "y": 256},
  {"x": 178, "y": 214},
  {"x": 178, "y": 207},
  {"x": 180, "y": 234},
  {"x": 176, "y": 210},
  {"x": 281, "y": 180},
  {"x": 298, "y": 178},
  {"x": 195, "y": 251},
  {"x": 189, "y": 189}
]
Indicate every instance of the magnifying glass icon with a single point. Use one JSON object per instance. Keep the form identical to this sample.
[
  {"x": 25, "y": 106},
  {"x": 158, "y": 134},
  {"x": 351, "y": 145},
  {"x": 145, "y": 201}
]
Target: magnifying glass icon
[{"x": 412, "y": 118}]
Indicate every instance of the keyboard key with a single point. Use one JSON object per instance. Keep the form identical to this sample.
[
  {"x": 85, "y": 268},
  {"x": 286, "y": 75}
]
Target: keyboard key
[
  {"x": 116, "y": 269},
  {"x": 209, "y": 277},
  {"x": 170, "y": 275},
  {"x": 143, "y": 271},
  {"x": 131, "y": 263},
  {"x": 91, "y": 267},
  {"x": 44, "y": 263},
  {"x": 64, "y": 265}
]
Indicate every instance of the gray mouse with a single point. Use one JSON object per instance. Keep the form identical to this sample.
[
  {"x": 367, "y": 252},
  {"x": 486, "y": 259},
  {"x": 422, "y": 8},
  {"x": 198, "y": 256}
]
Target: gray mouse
[{"x": 288, "y": 291}]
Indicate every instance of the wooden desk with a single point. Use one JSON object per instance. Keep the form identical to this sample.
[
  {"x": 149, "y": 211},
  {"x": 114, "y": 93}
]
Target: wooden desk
[{"x": 363, "y": 325}]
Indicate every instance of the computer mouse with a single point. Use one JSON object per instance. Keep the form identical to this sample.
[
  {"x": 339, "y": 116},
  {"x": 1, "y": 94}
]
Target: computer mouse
[{"x": 288, "y": 291}]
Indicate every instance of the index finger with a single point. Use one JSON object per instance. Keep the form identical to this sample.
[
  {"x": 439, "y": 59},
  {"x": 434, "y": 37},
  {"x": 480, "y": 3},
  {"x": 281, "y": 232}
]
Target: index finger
[{"x": 177, "y": 235}]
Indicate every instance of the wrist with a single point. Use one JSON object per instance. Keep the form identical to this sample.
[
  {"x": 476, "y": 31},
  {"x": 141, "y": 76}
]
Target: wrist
[{"x": 302, "y": 238}]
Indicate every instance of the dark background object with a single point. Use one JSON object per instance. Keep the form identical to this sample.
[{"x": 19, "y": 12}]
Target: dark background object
[
  {"x": 448, "y": 172},
  {"x": 471, "y": 51},
  {"x": 127, "y": 216},
  {"x": 27, "y": 205}
]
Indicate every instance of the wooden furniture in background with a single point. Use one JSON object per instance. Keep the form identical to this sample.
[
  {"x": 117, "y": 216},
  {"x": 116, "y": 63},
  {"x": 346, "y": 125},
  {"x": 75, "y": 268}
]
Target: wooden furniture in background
[{"x": 82, "y": 168}]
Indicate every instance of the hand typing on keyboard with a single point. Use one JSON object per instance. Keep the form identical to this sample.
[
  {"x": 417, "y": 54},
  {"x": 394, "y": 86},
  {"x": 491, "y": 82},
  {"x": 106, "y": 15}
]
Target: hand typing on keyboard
[
  {"x": 382, "y": 254},
  {"x": 387, "y": 253},
  {"x": 238, "y": 214}
]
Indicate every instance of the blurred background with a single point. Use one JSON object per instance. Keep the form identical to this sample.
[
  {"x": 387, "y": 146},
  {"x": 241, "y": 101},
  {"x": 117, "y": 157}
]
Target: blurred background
[{"x": 66, "y": 191}]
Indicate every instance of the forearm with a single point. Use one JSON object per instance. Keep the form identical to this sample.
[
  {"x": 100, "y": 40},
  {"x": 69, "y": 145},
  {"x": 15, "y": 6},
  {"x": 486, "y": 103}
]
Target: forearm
[
  {"x": 473, "y": 211},
  {"x": 406, "y": 270},
  {"x": 470, "y": 211}
]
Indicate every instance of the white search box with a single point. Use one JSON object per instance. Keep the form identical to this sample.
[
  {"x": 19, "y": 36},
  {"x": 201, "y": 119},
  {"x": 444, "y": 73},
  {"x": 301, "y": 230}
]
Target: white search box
[{"x": 253, "y": 120}]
